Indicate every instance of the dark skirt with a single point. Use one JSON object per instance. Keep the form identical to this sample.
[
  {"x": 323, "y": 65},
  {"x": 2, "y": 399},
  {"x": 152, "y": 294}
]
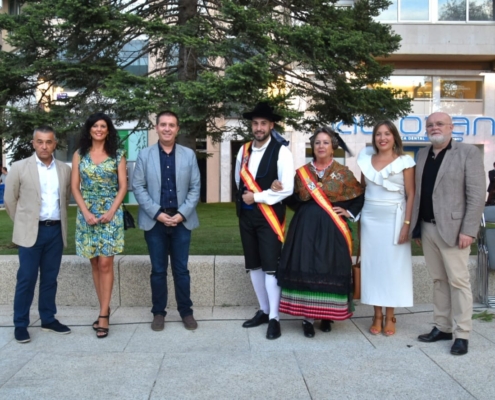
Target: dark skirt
[{"x": 315, "y": 267}]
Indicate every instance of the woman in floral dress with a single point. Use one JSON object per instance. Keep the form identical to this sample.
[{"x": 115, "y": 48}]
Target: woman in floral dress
[{"x": 99, "y": 184}]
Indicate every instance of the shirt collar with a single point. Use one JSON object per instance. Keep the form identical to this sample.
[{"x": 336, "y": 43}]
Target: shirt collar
[
  {"x": 39, "y": 162},
  {"x": 262, "y": 148},
  {"x": 163, "y": 151}
]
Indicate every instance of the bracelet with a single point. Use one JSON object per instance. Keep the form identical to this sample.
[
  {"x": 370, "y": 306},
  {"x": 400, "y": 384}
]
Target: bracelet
[{"x": 407, "y": 222}]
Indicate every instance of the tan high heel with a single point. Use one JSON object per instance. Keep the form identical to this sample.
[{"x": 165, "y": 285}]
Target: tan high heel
[
  {"x": 377, "y": 325},
  {"x": 389, "y": 329}
]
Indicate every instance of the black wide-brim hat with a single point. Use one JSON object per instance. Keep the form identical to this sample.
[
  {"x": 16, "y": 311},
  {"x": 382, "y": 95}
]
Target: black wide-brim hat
[{"x": 263, "y": 110}]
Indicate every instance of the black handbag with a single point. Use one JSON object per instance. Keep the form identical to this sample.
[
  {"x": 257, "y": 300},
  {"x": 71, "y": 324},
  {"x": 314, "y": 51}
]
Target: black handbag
[{"x": 128, "y": 219}]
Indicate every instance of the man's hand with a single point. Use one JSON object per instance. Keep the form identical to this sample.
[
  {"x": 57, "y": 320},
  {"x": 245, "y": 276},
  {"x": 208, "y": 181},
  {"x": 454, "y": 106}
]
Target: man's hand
[
  {"x": 248, "y": 197},
  {"x": 166, "y": 219},
  {"x": 177, "y": 219},
  {"x": 418, "y": 242},
  {"x": 465, "y": 241},
  {"x": 276, "y": 186}
]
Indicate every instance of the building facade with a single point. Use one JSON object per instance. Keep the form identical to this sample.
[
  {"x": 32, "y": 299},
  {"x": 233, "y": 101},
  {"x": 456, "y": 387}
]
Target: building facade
[{"x": 446, "y": 63}]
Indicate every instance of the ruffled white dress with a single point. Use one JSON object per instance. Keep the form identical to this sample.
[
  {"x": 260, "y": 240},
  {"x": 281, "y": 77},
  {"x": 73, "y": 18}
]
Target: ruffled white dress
[{"x": 386, "y": 266}]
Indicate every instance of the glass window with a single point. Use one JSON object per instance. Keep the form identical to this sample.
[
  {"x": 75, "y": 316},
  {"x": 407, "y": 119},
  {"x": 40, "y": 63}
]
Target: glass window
[
  {"x": 389, "y": 14},
  {"x": 452, "y": 10},
  {"x": 461, "y": 96},
  {"x": 416, "y": 87},
  {"x": 481, "y": 10},
  {"x": 461, "y": 89},
  {"x": 414, "y": 10},
  {"x": 131, "y": 56}
]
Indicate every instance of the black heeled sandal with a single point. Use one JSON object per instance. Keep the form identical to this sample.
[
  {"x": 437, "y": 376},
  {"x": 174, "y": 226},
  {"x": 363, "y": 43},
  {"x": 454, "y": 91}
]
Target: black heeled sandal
[
  {"x": 95, "y": 324},
  {"x": 102, "y": 330}
]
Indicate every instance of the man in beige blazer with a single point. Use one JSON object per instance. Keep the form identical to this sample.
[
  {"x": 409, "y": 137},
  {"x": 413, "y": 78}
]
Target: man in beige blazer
[
  {"x": 36, "y": 197},
  {"x": 447, "y": 210}
]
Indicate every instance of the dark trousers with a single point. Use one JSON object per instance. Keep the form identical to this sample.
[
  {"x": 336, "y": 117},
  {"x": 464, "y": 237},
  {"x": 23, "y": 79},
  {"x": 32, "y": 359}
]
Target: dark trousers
[
  {"x": 164, "y": 241},
  {"x": 45, "y": 256},
  {"x": 261, "y": 246}
]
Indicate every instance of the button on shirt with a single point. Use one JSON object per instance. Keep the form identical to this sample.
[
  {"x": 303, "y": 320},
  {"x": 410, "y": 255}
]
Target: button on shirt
[
  {"x": 50, "y": 192},
  {"x": 430, "y": 172},
  {"x": 168, "y": 196}
]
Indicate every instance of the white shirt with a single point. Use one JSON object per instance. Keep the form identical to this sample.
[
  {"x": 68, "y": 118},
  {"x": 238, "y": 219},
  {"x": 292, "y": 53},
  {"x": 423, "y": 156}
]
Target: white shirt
[
  {"x": 50, "y": 193},
  {"x": 285, "y": 170}
]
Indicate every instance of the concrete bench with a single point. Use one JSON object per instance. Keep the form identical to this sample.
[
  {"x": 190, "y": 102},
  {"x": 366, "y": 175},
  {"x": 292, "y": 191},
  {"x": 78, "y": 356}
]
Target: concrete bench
[{"x": 215, "y": 281}]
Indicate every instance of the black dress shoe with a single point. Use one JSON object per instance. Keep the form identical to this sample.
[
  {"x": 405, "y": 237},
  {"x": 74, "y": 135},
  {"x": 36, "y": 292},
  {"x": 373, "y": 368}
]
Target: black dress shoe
[
  {"x": 273, "y": 331},
  {"x": 460, "y": 347},
  {"x": 308, "y": 329},
  {"x": 259, "y": 318},
  {"x": 325, "y": 325},
  {"x": 434, "y": 336}
]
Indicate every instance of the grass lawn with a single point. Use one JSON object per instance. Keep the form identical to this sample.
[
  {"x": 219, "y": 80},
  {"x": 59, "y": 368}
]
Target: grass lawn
[{"x": 218, "y": 233}]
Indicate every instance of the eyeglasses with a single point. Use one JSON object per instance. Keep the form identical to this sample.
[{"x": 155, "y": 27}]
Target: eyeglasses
[{"x": 437, "y": 124}]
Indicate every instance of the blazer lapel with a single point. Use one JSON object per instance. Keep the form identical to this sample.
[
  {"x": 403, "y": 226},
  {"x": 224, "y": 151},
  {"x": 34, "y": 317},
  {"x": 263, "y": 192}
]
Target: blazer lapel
[
  {"x": 420, "y": 164},
  {"x": 35, "y": 176},
  {"x": 178, "y": 160},
  {"x": 61, "y": 183},
  {"x": 447, "y": 159},
  {"x": 155, "y": 160}
]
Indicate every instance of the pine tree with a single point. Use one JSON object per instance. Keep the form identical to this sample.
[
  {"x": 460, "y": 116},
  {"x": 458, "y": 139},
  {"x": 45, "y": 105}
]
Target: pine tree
[{"x": 208, "y": 60}]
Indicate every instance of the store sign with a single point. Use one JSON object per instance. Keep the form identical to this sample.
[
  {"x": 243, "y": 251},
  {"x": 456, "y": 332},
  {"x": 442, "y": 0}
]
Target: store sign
[{"x": 416, "y": 125}]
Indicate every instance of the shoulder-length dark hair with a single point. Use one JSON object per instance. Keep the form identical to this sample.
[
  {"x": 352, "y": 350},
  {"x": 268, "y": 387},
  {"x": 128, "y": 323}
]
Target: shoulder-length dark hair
[
  {"x": 112, "y": 141},
  {"x": 398, "y": 148}
]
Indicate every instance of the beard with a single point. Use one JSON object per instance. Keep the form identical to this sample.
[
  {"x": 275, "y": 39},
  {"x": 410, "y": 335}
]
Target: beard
[{"x": 437, "y": 139}]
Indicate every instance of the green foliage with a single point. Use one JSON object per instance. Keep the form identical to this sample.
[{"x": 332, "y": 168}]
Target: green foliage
[
  {"x": 208, "y": 60},
  {"x": 484, "y": 316}
]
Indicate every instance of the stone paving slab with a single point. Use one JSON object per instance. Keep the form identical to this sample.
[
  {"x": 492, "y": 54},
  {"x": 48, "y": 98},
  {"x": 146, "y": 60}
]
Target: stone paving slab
[
  {"x": 473, "y": 371},
  {"x": 376, "y": 374},
  {"x": 84, "y": 376},
  {"x": 210, "y": 337},
  {"x": 343, "y": 334},
  {"x": 82, "y": 339},
  {"x": 222, "y": 360},
  {"x": 234, "y": 376}
]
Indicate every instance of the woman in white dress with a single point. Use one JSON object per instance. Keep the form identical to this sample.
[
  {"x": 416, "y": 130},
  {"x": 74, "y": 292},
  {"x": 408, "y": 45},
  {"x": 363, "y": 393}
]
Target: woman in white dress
[{"x": 386, "y": 266}]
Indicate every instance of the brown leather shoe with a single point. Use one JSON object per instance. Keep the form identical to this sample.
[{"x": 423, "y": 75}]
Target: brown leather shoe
[
  {"x": 158, "y": 323},
  {"x": 190, "y": 323}
]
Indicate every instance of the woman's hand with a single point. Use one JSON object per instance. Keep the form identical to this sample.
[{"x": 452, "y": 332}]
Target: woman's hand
[
  {"x": 276, "y": 186},
  {"x": 404, "y": 234},
  {"x": 107, "y": 217},
  {"x": 341, "y": 212},
  {"x": 91, "y": 218}
]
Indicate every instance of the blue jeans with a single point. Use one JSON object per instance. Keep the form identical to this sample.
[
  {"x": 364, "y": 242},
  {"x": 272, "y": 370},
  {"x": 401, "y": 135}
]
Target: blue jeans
[
  {"x": 45, "y": 255},
  {"x": 163, "y": 241}
]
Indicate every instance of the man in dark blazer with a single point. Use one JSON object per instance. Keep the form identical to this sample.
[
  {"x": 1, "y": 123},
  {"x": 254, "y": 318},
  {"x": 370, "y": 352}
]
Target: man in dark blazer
[
  {"x": 447, "y": 210},
  {"x": 36, "y": 197},
  {"x": 166, "y": 183}
]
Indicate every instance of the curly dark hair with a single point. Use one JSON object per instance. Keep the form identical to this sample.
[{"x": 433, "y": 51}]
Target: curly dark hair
[{"x": 112, "y": 142}]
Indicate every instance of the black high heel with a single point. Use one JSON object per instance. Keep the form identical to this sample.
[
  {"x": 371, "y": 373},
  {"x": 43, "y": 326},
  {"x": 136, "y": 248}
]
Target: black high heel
[
  {"x": 102, "y": 330},
  {"x": 95, "y": 324}
]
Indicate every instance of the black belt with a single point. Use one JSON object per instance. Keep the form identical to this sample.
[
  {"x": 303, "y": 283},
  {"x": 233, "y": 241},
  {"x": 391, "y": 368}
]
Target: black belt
[
  {"x": 430, "y": 221},
  {"x": 49, "y": 222}
]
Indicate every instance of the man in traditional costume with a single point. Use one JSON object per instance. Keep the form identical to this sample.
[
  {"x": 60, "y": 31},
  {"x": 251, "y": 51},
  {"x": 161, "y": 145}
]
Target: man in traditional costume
[{"x": 261, "y": 212}]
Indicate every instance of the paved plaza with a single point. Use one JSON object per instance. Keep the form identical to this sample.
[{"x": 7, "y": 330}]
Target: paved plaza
[{"x": 222, "y": 360}]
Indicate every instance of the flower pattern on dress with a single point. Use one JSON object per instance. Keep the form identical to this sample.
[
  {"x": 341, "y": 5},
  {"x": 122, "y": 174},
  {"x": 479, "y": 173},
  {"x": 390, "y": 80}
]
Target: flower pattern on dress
[{"x": 99, "y": 187}]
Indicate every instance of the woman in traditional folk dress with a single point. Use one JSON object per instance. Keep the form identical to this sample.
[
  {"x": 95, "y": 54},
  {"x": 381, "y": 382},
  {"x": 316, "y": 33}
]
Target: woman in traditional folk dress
[
  {"x": 315, "y": 266},
  {"x": 386, "y": 264},
  {"x": 99, "y": 184}
]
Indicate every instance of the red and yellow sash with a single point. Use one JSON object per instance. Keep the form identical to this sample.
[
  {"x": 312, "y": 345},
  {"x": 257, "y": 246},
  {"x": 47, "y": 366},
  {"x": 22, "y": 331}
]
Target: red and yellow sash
[
  {"x": 251, "y": 184},
  {"x": 321, "y": 198}
]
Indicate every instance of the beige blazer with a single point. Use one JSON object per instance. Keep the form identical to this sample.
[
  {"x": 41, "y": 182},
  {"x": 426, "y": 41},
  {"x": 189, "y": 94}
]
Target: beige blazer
[
  {"x": 23, "y": 199},
  {"x": 458, "y": 194}
]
